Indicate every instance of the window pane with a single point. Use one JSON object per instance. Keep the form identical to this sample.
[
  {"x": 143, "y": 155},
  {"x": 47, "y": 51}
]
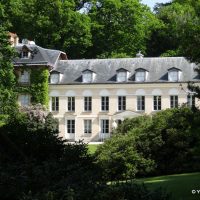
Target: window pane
[
  {"x": 104, "y": 103},
  {"x": 71, "y": 103},
  {"x": 121, "y": 103},
  {"x": 71, "y": 126},
  {"x": 54, "y": 78},
  {"x": 140, "y": 103},
  {"x": 88, "y": 103},
  {"x": 87, "y": 126},
  {"x": 140, "y": 76},
  {"x": 121, "y": 76},
  {"x": 55, "y": 103},
  {"x": 173, "y": 75}
]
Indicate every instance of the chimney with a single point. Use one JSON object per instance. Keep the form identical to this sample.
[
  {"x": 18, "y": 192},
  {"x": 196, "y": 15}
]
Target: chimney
[
  {"x": 139, "y": 55},
  {"x": 14, "y": 40}
]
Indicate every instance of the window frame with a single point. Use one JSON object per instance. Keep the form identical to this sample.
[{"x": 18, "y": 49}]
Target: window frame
[
  {"x": 157, "y": 102},
  {"x": 105, "y": 124},
  {"x": 88, "y": 104},
  {"x": 71, "y": 104},
  {"x": 141, "y": 103},
  {"x": 191, "y": 100},
  {"x": 53, "y": 80},
  {"x": 21, "y": 100},
  {"x": 24, "y": 77},
  {"x": 87, "y": 77},
  {"x": 121, "y": 76},
  {"x": 138, "y": 76},
  {"x": 172, "y": 77},
  {"x": 173, "y": 101},
  {"x": 121, "y": 103},
  {"x": 105, "y": 103},
  {"x": 71, "y": 126},
  {"x": 87, "y": 126},
  {"x": 55, "y": 104}
]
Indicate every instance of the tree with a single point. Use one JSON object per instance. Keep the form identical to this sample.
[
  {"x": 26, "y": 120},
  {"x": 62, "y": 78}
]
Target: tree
[
  {"x": 7, "y": 77},
  {"x": 53, "y": 24},
  {"x": 35, "y": 163},
  {"x": 119, "y": 27}
]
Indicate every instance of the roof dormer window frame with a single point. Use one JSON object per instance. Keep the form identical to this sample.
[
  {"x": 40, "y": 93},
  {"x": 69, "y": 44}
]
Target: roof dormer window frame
[
  {"x": 141, "y": 75},
  {"x": 88, "y": 76},
  {"x": 55, "y": 77},
  {"x": 122, "y": 75},
  {"x": 174, "y": 74}
]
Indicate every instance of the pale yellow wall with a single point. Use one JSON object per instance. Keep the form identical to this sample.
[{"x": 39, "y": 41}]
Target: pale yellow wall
[{"x": 131, "y": 102}]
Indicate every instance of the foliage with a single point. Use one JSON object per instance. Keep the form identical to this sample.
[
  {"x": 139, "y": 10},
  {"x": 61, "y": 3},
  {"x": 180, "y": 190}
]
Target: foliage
[
  {"x": 119, "y": 28},
  {"x": 36, "y": 164},
  {"x": 130, "y": 190},
  {"x": 55, "y": 24},
  {"x": 39, "y": 86},
  {"x": 7, "y": 80},
  {"x": 144, "y": 146}
]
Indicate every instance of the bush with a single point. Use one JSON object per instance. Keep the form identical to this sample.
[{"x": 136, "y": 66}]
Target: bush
[
  {"x": 36, "y": 164},
  {"x": 166, "y": 143}
]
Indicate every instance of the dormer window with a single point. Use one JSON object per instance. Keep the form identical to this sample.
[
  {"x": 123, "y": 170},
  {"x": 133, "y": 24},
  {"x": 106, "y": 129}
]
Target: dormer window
[
  {"x": 88, "y": 76},
  {"x": 173, "y": 74},
  {"x": 122, "y": 75},
  {"x": 24, "y": 77},
  {"x": 140, "y": 75},
  {"x": 54, "y": 78}
]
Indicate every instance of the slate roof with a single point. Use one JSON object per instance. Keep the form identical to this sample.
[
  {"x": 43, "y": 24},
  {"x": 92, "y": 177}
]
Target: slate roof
[
  {"x": 106, "y": 69},
  {"x": 39, "y": 56}
]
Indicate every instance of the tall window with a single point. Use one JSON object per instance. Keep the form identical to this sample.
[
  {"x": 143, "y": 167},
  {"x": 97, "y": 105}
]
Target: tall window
[
  {"x": 157, "y": 102},
  {"x": 71, "y": 126},
  {"x": 24, "y": 100},
  {"x": 71, "y": 104},
  {"x": 140, "y": 76},
  {"x": 174, "y": 101},
  {"x": 104, "y": 103},
  {"x": 87, "y": 126},
  {"x": 88, "y": 103},
  {"x": 121, "y": 103},
  {"x": 173, "y": 75},
  {"x": 104, "y": 126},
  {"x": 122, "y": 76},
  {"x": 190, "y": 100},
  {"x": 55, "y": 103},
  {"x": 25, "y": 77},
  {"x": 140, "y": 102},
  {"x": 54, "y": 78}
]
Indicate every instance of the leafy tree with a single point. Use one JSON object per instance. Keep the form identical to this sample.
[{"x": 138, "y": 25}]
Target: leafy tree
[
  {"x": 7, "y": 77},
  {"x": 53, "y": 24},
  {"x": 36, "y": 164},
  {"x": 119, "y": 27}
]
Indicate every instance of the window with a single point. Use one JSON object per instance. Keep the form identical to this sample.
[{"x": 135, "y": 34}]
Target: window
[
  {"x": 25, "y": 77},
  {"x": 173, "y": 75},
  {"x": 24, "y": 100},
  {"x": 104, "y": 126},
  {"x": 87, "y": 126},
  {"x": 88, "y": 103},
  {"x": 190, "y": 100},
  {"x": 25, "y": 54},
  {"x": 71, "y": 104},
  {"x": 174, "y": 101},
  {"x": 140, "y": 76},
  {"x": 71, "y": 126},
  {"x": 157, "y": 102},
  {"x": 104, "y": 103},
  {"x": 121, "y": 103},
  {"x": 87, "y": 77},
  {"x": 54, "y": 103},
  {"x": 54, "y": 78},
  {"x": 122, "y": 76},
  {"x": 140, "y": 103}
]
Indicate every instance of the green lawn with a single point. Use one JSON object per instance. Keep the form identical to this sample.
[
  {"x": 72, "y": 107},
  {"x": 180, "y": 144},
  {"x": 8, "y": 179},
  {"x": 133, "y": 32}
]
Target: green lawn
[
  {"x": 92, "y": 148},
  {"x": 180, "y": 185}
]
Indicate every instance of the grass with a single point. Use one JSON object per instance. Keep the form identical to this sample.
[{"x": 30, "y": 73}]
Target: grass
[
  {"x": 92, "y": 148},
  {"x": 180, "y": 186}
]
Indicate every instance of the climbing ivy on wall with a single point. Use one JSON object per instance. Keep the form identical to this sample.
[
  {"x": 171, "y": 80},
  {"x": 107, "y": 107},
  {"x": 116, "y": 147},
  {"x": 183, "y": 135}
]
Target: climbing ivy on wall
[{"x": 38, "y": 87}]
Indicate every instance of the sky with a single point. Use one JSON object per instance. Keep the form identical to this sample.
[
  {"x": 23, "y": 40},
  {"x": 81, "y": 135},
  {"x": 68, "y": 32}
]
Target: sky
[{"x": 151, "y": 3}]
